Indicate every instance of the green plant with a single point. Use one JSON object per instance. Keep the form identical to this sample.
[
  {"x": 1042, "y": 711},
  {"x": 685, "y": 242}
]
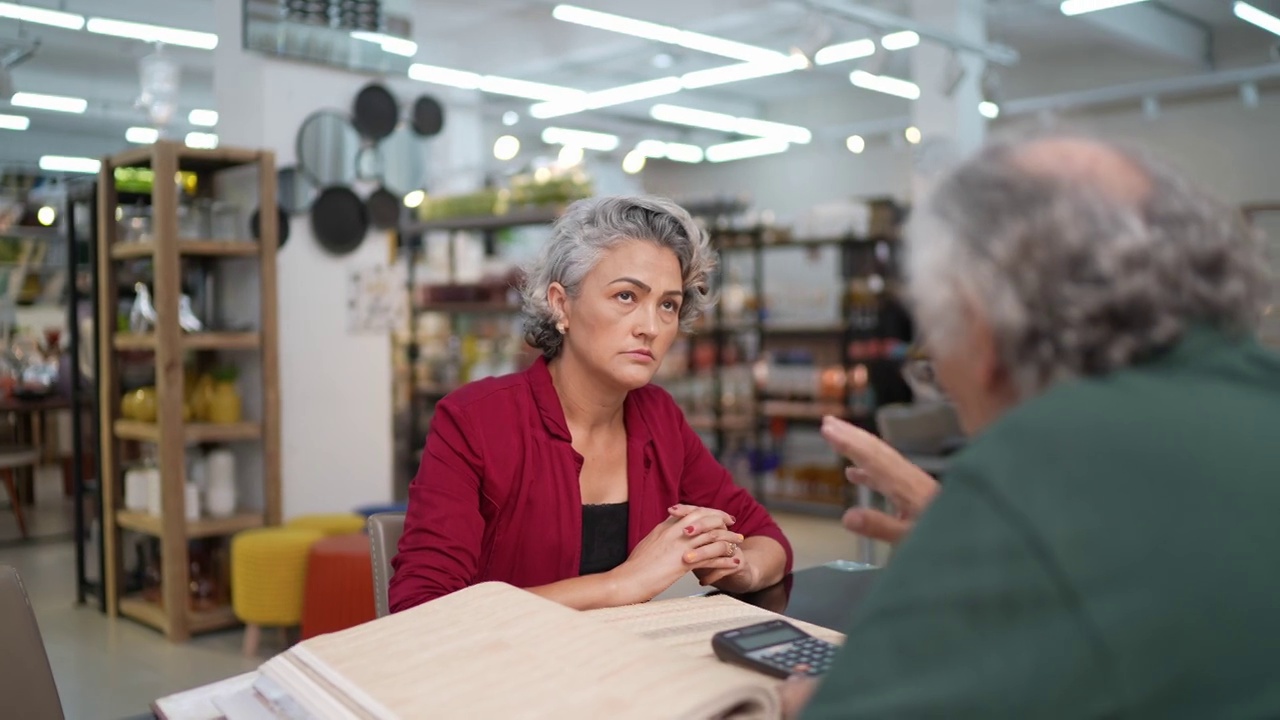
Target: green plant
[{"x": 225, "y": 373}]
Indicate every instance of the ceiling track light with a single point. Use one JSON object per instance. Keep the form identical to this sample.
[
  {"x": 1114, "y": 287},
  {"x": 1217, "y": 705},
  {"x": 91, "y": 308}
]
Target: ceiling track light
[
  {"x": 1254, "y": 16},
  {"x": 153, "y": 33},
  {"x": 885, "y": 84},
  {"x": 41, "y": 16},
  {"x": 743, "y": 149},
  {"x": 663, "y": 33},
  {"x": 1080, "y": 7}
]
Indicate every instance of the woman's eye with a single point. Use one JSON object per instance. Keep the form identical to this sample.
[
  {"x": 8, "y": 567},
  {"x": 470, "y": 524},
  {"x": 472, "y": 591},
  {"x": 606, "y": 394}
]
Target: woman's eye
[
  {"x": 670, "y": 306},
  {"x": 626, "y": 296}
]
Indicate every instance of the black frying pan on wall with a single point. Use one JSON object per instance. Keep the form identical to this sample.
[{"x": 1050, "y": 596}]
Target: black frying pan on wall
[
  {"x": 339, "y": 220},
  {"x": 375, "y": 112},
  {"x": 384, "y": 208},
  {"x": 428, "y": 116}
]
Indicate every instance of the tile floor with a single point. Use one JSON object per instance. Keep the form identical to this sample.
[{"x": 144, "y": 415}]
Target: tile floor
[{"x": 108, "y": 669}]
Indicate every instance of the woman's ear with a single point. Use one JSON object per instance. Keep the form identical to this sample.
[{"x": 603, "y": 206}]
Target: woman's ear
[{"x": 558, "y": 299}]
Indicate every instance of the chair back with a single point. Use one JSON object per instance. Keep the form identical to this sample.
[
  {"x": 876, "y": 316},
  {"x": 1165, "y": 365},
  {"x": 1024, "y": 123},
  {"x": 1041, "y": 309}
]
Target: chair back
[
  {"x": 385, "y": 530},
  {"x": 27, "y": 687}
]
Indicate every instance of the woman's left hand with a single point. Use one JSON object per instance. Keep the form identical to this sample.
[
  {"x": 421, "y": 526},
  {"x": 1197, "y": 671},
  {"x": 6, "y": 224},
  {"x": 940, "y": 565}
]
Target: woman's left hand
[{"x": 743, "y": 576}]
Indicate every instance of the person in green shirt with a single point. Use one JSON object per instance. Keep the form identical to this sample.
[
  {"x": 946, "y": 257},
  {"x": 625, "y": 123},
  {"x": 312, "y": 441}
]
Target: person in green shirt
[{"x": 1108, "y": 543}]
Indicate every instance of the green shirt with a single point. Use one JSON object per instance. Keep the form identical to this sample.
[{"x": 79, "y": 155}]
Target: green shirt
[{"x": 1110, "y": 548}]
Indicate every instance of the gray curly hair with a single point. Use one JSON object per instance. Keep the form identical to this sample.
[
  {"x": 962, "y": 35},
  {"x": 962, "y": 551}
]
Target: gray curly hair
[
  {"x": 1075, "y": 282},
  {"x": 590, "y": 227}
]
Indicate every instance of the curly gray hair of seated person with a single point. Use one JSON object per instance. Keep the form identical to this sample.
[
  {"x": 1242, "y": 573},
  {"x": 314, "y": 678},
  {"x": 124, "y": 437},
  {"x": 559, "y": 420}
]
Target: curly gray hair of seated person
[
  {"x": 586, "y": 230},
  {"x": 1072, "y": 282}
]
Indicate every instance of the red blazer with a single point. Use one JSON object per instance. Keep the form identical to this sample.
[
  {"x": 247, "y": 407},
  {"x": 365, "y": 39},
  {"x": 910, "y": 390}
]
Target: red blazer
[{"x": 497, "y": 496}]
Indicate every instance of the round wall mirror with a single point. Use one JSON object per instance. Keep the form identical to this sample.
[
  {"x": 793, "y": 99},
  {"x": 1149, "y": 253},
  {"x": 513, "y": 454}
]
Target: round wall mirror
[
  {"x": 404, "y": 159},
  {"x": 327, "y": 145}
]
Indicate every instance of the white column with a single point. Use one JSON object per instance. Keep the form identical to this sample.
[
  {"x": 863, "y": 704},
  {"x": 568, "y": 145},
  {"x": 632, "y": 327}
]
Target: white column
[
  {"x": 336, "y": 395},
  {"x": 949, "y": 122}
]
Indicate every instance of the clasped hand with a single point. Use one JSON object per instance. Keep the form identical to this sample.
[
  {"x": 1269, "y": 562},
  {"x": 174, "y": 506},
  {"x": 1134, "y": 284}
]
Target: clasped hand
[{"x": 692, "y": 538}]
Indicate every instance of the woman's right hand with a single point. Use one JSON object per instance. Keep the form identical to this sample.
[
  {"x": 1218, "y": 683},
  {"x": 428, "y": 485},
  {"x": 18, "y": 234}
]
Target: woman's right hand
[
  {"x": 885, "y": 470},
  {"x": 659, "y": 560}
]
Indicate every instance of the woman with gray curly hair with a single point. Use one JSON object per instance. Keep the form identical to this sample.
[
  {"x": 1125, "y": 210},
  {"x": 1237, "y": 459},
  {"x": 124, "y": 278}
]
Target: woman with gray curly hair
[
  {"x": 577, "y": 479},
  {"x": 1104, "y": 547}
]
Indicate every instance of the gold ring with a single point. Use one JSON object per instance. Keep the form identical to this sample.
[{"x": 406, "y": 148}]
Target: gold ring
[{"x": 732, "y": 549}]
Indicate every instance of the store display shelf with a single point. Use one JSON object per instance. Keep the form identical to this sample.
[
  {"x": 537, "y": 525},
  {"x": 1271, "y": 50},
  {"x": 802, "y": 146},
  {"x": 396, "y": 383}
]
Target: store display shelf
[
  {"x": 206, "y": 527},
  {"x": 802, "y": 410},
  {"x": 730, "y": 423},
  {"x": 219, "y": 618},
  {"x": 205, "y": 248},
  {"x": 145, "y": 612},
  {"x": 468, "y": 307},
  {"x": 188, "y": 158},
  {"x": 193, "y": 433},
  {"x": 192, "y": 341},
  {"x": 515, "y": 218},
  {"x": 782, "y": 503},
  {"x": 800, "y": 329}
]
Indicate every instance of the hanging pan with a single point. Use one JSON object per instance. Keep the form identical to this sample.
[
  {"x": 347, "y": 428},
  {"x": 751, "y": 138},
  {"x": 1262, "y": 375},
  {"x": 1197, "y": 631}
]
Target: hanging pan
[
  {"x": 339, "y": 220},
  {"x": 384, "y": 208},
  {"x": 375, "y": 112},
  {"x": 428, "y": 116}
]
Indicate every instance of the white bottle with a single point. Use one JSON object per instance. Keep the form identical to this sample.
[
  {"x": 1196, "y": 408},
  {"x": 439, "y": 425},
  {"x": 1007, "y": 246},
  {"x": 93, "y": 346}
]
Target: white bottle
[
  {"x": 220, "y": 474},
  {"x": 192, "y": 501}
]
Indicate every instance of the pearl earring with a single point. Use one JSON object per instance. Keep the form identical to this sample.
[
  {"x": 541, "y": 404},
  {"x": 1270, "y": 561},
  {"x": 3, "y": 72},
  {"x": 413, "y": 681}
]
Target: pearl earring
[{"x": 561, "y": 328}]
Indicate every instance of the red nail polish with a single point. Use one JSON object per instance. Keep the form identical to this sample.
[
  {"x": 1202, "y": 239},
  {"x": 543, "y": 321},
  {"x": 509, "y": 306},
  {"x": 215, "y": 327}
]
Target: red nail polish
[
  {"x": 688, "y": 529},
  {"x": 737, "y": 561}
]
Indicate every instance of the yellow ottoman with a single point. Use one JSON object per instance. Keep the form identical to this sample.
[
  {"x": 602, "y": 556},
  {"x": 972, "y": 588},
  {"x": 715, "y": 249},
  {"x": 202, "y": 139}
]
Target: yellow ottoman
[
  {"x": 329, "y": 523},
  {"x": 268, "y": 578}
]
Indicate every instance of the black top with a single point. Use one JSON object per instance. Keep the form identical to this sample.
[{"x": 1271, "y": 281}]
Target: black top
[{"x": 604, "y": 537}]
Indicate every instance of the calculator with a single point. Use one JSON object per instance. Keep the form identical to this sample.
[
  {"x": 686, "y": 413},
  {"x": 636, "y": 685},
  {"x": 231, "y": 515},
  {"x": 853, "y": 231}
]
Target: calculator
[{"x": 776, "y": 648}]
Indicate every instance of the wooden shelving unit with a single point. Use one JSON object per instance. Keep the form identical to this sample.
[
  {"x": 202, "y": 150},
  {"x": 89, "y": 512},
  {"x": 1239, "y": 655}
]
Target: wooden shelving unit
[{"x": 170, "y": 434}]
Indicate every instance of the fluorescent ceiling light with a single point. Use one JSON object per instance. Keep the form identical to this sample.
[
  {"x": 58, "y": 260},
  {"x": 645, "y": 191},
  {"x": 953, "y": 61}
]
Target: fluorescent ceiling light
[
  {"x": 57, "y": 103},
  {"x": 390, "y": 43},
  {"x": 603, "y": 142},
  {"x": 856, "y": 144},
  {"x": 142, "y": 135},
  {"x": 526, "y": 89},
  {"x": 1080, "y": 7},
  {"x": 1251, "y": 14},
  {"x": 414, "y": 198},
  {"x": 153, "y": 33},
  {"x": 14, "y": 122},
  {"x": 989, "y": 110},
  {"x": 728, "y": 123},
  {"x": 743, "y": 71},
  {"x": 204, "y": 118},
  {"x": 201, "y": 140},
  {"x": 900, "y": 40},
  {"x": 912, "y": 134},
  {"x": 605, "y": 98},
  {"x": 845, "y": 51},
  {"x": 63, "y": 163},
  {"x": 26, "y": 13},
  {"x": 679, "y": 152},
  {"x": 746, "y": 149},
  {"x": 444, "y": 76},
  {"x": 663, "y": 33},
  {"x": 885, "y": 84}
]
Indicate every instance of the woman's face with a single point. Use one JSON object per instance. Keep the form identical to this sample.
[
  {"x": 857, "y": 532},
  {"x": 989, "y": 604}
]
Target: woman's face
[{"x": 626, "y": 314}]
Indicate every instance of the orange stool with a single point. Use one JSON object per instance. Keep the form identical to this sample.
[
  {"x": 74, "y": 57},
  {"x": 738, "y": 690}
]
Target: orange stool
[{"x": 339, "y": 590}]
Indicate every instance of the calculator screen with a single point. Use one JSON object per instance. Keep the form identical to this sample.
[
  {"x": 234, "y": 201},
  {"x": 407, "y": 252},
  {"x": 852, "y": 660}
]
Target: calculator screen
[{"x": 765, "y": 639}]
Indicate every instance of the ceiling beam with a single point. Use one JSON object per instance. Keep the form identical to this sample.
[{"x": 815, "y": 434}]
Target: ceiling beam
[{"x": 1154, "y": 28}]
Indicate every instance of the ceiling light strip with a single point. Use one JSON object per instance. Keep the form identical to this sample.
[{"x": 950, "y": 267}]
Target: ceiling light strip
[
  {"x": 64, "y": 163},
  {"x": 153, "y": 33},
  {"x": 1080, "y": 7},
  {"x": 14, "y": 122},
  {"x": 663, "y": 34},
  {"x": 728, "y": 123},
  {"x": 41, "y": 16},
  {"x": 743, "y": 149},
  {"x": 55, "y": 103},
  {"x": 885, "y": 84},
  {"x": 604, "y": 142},
  {"x": 1254, "y": 16}
]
